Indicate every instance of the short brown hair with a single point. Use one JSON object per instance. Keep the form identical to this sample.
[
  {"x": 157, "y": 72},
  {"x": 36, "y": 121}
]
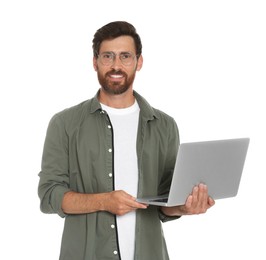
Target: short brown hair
[{"x": 113, "y": 30}]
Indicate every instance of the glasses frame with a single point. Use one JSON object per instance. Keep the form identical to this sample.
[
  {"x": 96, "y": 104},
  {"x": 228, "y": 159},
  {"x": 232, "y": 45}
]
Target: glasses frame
[{"x": 114, "y": 55}]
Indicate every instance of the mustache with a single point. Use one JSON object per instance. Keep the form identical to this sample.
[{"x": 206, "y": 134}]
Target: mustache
[{"x": 116, "y": 72}]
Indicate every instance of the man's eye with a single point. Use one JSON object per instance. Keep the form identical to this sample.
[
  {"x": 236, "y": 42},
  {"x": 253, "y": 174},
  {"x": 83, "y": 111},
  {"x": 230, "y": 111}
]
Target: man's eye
[
  {"x": 126, "y": 56},
  {"x": 107, "y": 56}
]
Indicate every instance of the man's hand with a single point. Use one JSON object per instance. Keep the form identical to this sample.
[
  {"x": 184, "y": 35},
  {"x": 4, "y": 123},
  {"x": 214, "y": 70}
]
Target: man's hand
[
  {"x": 119, "y": 203},
  {"x": 198, "y": 202}
]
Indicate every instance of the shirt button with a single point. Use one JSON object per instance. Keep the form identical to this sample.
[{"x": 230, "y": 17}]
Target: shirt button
[
  {"x": 109, "y": 126},
  {"x": 113, "y": 226},
  {"x": 115, "y": 252},
  {"x": 110, "y": 150},
  {"x": 110, "y": 175}
]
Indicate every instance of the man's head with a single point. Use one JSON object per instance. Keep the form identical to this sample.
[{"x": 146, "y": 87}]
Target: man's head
[{"x": 117, "y": 56}]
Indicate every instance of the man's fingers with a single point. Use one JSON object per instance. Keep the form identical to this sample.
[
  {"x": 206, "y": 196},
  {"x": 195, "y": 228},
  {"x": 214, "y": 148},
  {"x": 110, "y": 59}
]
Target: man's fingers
[
  {"x": 122, "y": 203},
  {"x": 199, "y": 201}
]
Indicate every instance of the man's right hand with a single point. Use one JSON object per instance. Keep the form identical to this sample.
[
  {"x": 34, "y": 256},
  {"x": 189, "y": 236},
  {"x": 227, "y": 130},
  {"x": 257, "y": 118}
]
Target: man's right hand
[{"x": 120, "y": 203}]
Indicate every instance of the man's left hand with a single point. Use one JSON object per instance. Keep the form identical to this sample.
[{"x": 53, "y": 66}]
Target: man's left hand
[{"x": 198, "y": 202}]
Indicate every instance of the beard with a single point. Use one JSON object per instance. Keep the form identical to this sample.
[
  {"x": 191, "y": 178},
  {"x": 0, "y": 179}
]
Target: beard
[{"x": 115, "y": 87}]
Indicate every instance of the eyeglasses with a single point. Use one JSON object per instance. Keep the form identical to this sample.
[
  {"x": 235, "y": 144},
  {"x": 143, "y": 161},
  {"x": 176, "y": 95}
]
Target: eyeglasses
[{"x": 108, "y": 58}]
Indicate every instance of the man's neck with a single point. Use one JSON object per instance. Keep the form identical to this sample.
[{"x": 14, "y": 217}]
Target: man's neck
[{"x": 123, "y": 100}]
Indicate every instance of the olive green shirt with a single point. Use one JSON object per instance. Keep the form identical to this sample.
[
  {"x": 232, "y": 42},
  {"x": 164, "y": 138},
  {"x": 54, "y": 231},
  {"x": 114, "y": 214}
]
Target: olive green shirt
[{"x": 78, "y": 156}]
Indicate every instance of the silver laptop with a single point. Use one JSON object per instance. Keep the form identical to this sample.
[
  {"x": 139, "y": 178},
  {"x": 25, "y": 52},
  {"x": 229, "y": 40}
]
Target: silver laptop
[{"x": 218, "y": 164}]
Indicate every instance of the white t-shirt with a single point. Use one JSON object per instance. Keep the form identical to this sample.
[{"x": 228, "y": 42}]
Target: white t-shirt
[{"x": 125, "y": 126}]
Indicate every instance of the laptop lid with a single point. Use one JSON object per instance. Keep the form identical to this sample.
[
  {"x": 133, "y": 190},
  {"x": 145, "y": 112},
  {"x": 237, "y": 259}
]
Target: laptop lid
[{"x": 218, "y": 164}]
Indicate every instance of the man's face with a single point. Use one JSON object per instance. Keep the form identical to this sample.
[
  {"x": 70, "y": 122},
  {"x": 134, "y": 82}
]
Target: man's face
[{"x": 116, "y": 77}]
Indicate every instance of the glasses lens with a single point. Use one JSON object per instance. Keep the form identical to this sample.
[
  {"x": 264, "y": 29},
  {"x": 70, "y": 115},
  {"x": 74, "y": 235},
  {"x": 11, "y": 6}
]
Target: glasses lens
[
  {"x": 126, "y": 58},
  {"x": 106, "y": 58}
]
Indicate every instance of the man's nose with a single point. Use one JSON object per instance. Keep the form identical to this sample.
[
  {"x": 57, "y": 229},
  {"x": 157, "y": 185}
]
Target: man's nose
[{"x": 116, "y": 62}]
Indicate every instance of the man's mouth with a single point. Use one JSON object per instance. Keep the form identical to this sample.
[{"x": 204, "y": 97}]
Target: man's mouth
[{"x": 116, "y": 76}]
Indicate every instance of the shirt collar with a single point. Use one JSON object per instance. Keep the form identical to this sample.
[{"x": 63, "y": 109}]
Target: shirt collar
[{"x": 145, "y": 109}]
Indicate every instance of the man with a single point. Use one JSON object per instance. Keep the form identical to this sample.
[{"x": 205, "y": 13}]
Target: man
[{"x": 101, "y": 154}]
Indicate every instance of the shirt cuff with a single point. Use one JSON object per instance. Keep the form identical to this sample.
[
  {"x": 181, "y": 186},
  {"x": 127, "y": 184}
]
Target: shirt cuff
[
  {"x": 165, "y": 218},
  {"x": 57, "y": 196}
]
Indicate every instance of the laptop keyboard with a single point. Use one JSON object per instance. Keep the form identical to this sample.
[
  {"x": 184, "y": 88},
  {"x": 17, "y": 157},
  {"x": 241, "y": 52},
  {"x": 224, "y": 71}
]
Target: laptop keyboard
[{"x": 160, "y": 200}]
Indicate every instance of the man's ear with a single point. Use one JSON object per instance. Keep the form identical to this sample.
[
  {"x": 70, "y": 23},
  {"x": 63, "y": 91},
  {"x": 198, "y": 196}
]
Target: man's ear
[
  {"x": 95, "y": 64},
  {"x": 140, "y": 63}
]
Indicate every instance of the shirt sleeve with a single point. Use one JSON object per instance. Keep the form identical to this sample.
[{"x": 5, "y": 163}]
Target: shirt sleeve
[
  {"x": 54, "y": 175},
  {"x": 173, "y": 144}
]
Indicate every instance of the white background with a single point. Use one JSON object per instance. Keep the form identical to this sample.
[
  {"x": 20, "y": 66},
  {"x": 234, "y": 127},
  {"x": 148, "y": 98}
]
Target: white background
[{"x": 204, "y": 64}]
